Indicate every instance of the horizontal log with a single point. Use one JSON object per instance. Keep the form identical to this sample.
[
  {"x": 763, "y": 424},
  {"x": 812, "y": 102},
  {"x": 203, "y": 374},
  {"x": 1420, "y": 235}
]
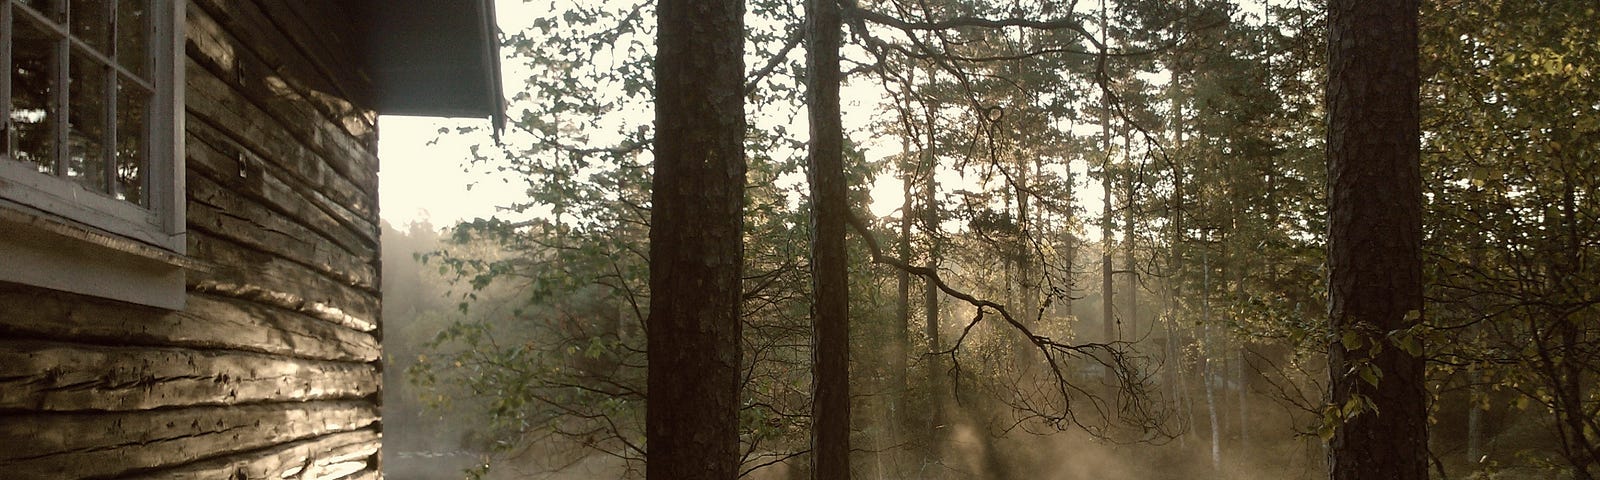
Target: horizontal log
[
  {"x": 53, "y": 376},
  {"x": 288, "y": 301},
  {"x": 326, "y": 457},
  {"x": 208, "y": 322},
  {"x": 318, "y": 27},
  {"x": 231, "y": 172},
  {"x": 288, "y": 81},
  {"x": 240, "y": 220},
  {"x": 84, "y": 445},
  {"x": 235, "y": 265},
  {"x": 217, "y": 103}
]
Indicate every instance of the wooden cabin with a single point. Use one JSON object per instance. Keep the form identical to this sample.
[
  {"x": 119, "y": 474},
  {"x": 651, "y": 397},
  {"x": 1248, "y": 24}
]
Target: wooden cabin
[{"x": 189, "y": 257}]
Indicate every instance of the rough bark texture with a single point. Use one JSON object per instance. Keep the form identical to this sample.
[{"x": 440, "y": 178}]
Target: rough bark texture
[
  {"x": 1374, "y": 238},
  {"x": 830, "y": 305},
  {"x": 696, "y": 247}
]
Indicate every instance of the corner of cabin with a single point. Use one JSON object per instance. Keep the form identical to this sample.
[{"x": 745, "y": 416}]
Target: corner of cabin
[{"x": 272, "y": 366}]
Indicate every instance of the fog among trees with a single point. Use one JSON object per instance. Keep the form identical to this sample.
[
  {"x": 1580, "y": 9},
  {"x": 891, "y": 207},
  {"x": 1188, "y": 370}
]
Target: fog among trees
[{"x": 990, "y": 239}]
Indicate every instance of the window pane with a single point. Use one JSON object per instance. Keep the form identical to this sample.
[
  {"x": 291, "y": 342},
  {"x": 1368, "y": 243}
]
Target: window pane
[
  {"x": 133, "y": 37},
  {"x": 50, "y": 8},
  {"x": 32, "y": 113},
  {"x": 132, "y": 148},
  {"x": 86, "y": 126},
  {"x": 91, "y": 23}
]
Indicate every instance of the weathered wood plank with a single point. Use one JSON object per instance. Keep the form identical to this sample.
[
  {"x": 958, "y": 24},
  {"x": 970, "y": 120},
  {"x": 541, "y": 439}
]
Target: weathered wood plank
[
  {"x": 111, "y": 444},
  {"x": 273, "y": 73},
  {"x": 287, "y": 301},
  {"x": 251, "y": 130},
  {"x": 289, "y": 182},
  {"x": 228, "y": 171},
  {"x": 214, "y": 211},
  {"x": 235, "y": 264},
  {"x": 316, "y": 458},
  {"x": 319, "y": 27},
  {"x": 54, "y": 376},
  {"x": 209, "y": 322}
]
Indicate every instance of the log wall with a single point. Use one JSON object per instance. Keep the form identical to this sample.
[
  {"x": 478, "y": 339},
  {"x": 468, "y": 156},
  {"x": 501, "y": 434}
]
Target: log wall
[{"x": 272, "y": 370}]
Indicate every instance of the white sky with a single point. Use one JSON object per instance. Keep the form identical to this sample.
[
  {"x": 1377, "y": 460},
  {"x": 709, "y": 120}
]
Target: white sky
[{"x": 424, "y": 175}]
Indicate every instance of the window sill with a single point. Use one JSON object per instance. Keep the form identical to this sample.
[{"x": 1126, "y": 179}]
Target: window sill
[{"x": 51, "y": 253}]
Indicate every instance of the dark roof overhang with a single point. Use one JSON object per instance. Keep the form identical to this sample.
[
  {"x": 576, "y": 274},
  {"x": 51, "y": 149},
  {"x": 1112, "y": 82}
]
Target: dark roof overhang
[{"x": 434, "y": 58}]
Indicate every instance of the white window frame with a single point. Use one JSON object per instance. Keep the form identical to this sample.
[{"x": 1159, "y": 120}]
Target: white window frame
[{"x": 57, "y": 234}]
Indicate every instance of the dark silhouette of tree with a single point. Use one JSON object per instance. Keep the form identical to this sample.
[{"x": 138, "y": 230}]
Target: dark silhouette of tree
[
  {"x": 1374, "y": 242},
  {"x": 696, "y": 243},
  {"x": 830, "y": 287}
]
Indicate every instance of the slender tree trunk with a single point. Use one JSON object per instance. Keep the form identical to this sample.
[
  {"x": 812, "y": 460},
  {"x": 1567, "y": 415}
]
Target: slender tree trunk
[
  {"x": 1128, "y": 212},
  {"x": 1026, "y": 291},
  {"x": 1375, "y": 238},
  {"x": 696, "y": 242},
  {"x": 1173, "y": 355},
  {"x": 1107, "y": 314},
  {"x": 1474, "y": 421},
  {"x": 1071, "y": 248},
  {"x": 930, "y": 292},
  {"x": 1207, "y": 372},
  {"x": 830, "y": 306},
  {"x": 900, "y": 417}
]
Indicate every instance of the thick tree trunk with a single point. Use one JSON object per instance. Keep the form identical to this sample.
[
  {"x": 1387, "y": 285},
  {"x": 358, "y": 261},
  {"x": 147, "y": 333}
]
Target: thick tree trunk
[
  {"x": 696, "y": 242},
  {"x": 830, "y": 306},
  {"x": 1374, "y": 238}
]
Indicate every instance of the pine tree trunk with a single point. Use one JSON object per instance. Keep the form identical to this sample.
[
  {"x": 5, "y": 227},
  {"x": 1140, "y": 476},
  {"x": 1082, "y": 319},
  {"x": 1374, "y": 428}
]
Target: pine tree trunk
[
  {"x": 899, "y": 419},
  {"x": 930, "y": 293},
  {"x": 830, "y": 306},
  {"x": 1128, "y": 212},
  {"x": 1374, "y": 237},
  {"x": 696, "y": 239},
  {"x": 1207, "y": 372},
  {"x": 1107, "y": 299}
]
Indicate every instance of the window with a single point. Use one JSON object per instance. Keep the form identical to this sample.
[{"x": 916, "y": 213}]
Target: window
[{"x": 92, "y": 127}]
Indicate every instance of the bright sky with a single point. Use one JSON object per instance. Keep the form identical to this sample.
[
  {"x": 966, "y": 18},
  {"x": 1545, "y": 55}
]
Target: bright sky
[{"x": 425, "y": 177}]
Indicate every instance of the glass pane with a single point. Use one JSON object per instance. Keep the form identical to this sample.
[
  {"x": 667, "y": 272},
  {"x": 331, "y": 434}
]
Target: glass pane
[
  {"x": 133, "y": 37},
  {"x": 86, "y": 126},
  {"x": 33, "y": 115},
  {"x": 132, "y": 150},
  {"x": 91, "y": 22},
  {"x": 49, "y": 8}
]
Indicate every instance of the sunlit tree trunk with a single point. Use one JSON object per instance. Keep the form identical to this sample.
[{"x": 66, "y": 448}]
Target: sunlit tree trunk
[
  {"x": 1375, "y": 238},
  {"x": 696, "y": 242}
]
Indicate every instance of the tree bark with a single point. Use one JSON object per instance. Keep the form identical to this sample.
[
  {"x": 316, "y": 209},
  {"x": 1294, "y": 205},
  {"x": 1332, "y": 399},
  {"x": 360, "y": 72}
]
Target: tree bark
[
  {"x": 930, "y": 293},
  {"x": 696, "y": 243},
  {"x": 1374, "y": 238},
  {"x": 900, "y": 419},
  {"x": 830, "y": 306},
  {"x": 1106, "y": 291}
]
